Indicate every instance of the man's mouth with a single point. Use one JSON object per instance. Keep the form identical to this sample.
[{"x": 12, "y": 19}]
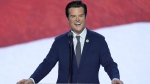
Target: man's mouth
[{"x": 77, "y": 24}]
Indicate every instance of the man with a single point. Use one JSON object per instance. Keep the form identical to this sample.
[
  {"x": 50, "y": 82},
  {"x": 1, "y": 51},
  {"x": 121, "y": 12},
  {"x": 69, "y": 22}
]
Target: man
[{"x": 90, "y": 51}]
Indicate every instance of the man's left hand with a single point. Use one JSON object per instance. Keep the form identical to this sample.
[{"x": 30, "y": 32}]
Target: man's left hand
[{"x": 117, "y": 82}]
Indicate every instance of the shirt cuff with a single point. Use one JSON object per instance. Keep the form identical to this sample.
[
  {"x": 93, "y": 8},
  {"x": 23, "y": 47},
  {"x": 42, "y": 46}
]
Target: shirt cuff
[
  {"x": 115, "y": 79},
  {"x": 32, "y": 80}
]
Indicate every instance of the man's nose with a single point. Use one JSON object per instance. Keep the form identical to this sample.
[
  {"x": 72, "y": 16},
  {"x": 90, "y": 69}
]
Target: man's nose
[{"x": 77, "y": 19}]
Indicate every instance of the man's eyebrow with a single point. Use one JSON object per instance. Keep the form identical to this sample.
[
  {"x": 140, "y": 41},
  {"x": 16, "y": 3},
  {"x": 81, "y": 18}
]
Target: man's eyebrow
[
  {"x": 81, "y": 14},
  {"x": 72, "y": 15}
]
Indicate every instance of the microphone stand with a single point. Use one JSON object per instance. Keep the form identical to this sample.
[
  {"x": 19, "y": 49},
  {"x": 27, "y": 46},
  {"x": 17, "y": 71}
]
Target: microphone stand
[{"x": 71, "y": 57}]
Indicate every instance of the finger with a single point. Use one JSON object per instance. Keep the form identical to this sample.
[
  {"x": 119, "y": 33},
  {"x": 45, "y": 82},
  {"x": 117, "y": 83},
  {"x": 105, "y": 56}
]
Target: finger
[
  {"x": 29, "y": 81},
  {"x": 21, "y": 81},
  {"x": 121, "y": 82},
  {"x": 26, "y": 82},
  {"x": 113, "y": 82}
]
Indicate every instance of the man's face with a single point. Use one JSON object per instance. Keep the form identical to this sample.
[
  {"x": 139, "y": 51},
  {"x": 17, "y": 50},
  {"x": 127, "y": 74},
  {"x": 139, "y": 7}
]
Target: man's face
[{"x": 77, "y": 19}]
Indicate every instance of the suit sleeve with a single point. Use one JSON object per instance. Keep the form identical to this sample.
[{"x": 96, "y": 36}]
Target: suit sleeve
[
  {"x": 48, "y": 63},
  {"x": 107, "y": 61}
]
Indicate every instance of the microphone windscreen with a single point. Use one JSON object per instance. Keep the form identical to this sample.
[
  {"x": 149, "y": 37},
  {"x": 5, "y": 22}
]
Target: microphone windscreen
[{"x": 70, "y": 34}]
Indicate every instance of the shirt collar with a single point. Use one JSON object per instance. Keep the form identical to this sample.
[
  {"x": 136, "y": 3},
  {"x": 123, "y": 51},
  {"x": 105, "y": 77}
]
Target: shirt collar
[{"x": 82, "y": 34}]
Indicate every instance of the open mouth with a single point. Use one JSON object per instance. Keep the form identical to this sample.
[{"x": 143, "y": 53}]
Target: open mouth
[{"x": 77, "y": 24}]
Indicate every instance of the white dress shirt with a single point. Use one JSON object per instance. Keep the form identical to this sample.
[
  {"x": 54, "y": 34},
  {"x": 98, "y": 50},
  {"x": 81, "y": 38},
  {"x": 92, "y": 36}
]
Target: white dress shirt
[{"x": 82, "y": 39}]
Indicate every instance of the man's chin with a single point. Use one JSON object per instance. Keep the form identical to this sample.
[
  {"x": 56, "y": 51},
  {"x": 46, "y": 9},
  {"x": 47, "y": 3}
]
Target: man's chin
[{"x": 78, "y": 31}]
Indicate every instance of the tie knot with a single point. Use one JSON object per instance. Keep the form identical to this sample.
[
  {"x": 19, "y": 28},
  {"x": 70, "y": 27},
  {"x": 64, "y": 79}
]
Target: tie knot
[{"x": 78, "y": 38}]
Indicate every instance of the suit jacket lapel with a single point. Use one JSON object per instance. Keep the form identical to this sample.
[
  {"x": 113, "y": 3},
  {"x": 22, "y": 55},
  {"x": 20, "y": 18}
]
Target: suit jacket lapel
[{"x": 87, "y": 44}]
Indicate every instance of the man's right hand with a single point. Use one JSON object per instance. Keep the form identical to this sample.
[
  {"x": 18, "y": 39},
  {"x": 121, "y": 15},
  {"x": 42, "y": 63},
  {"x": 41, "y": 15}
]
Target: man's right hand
[{"x": 25, "y": 81}]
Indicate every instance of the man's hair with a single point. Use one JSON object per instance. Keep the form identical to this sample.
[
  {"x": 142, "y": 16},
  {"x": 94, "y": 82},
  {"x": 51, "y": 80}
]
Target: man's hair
[{"x": 76, "y": 4}]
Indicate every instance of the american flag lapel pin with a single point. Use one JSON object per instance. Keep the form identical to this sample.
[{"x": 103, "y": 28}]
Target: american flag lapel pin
[{"x": 87, "y": 40}]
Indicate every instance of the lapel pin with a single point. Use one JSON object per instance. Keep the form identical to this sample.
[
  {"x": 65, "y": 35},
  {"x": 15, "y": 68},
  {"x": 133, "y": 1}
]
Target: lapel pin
[{"x": 87, "y": 40}]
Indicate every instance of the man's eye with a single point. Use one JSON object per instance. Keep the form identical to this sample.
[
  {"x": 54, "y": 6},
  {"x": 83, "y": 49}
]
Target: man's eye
[
  {"x": 81, "y": 15},
  {"x": 72, "y": 16}
]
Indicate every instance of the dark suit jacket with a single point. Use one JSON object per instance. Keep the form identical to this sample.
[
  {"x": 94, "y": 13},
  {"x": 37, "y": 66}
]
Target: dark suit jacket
[{"x": 95, "y": 53}]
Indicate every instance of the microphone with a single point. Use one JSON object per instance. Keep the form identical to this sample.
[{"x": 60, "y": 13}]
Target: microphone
[{"x": 70, "y": 35}]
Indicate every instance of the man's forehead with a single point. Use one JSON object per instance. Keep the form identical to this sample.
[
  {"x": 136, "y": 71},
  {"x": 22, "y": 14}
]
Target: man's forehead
[{"x": 76, "y": 10}]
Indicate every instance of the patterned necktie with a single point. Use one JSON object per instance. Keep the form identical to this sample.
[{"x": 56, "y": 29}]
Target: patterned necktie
[{"x": 78, "y": 50}]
